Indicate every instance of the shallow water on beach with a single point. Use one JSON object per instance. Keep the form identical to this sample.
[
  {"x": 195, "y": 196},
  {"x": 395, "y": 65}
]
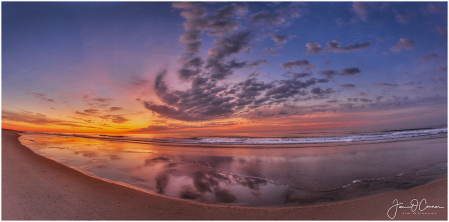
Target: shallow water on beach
[{"x": 252, "y": 171}]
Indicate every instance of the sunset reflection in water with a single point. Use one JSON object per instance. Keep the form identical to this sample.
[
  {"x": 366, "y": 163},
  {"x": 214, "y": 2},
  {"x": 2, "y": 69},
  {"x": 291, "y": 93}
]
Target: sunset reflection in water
[{"x": 267, "y": 175}]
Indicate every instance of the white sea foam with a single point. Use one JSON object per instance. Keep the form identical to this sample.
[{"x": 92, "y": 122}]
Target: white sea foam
[{"x": 315, "y": 140}]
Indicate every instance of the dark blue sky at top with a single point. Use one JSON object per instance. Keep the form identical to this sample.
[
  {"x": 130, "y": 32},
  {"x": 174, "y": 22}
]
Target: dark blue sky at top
[{"x": 52, "y": 47}]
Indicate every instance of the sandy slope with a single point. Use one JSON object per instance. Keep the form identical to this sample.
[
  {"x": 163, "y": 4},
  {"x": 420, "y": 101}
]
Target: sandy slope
[{"x": 34, "y": 187}]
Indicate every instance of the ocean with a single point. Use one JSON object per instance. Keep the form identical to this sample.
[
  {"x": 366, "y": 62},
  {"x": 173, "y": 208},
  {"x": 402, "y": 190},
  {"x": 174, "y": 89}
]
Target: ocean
[{"x": 246, "y": 170}]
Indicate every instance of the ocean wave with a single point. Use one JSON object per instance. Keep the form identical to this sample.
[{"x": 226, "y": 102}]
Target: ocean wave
[
  {"x": 380, "y": 136},
  {"x": 316, "y": 140}
]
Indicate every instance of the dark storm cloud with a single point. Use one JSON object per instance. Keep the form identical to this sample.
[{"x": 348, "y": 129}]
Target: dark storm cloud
[
  {"x": 350, "y": 71},
  {"x": 328, "y": 73},
  {"x": 42, "y": 96},
  {"x": 428, "y": 56},
  {"x": 334, "y": 46},
  {"x": 303, "y": 64},
  {"x": 404, "y": 43}
]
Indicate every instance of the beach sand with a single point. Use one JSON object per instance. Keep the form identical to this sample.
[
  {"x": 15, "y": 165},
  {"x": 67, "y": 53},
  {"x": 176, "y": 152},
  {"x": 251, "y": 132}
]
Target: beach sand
[{"x": 35, "y": 187}]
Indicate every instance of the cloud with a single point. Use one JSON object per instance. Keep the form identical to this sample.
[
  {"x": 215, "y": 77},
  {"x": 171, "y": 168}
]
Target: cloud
[
  {"x": 334, "y": 46},
  {"x": 350, "y": 71},
  {"x": 365, "y": 100},
  {"x": 271, "y": 51},
  {"x": 441, "y": 69},
  {"x": 208, "y": 101},
  {"x": 428, "y": 56},
  {"x": 439, "y": 78},
  {"x": 115, "y": 118},
  {"x": 433, "y": 9},
  {"x": 360, "y": 9},
  {"x": 303, "y": 64},
  {"x": 301, "y": 75},
  {"x": 224, "y": 47},
  {"x": 404, "y": 19},
  {"x": 279, "y": 39},
  {"x": 340, "y": 22},
  {"x": 347, "y": 105},
  {"x": 282, "y": 16},
  {"x": 328, "y": 73},
  {"x": 388, "y": 84},
  {"x": 348, "y": 85},
  {"x": 442, "y": 31},
  {"x": 40, "y": 120},
  {"x": 42, "y": 96},
  {"x": 96, "y": 102},
  {"x": 319, "y": 91},
  {"x": 404, "y": 43},
  {"x": 116, "y": 108},
  {"x": 222, "y": 22},
  {"x": 199, "y": 103},
  {"x": 194, "y": 25},
  {"x": 289, "y": 88}
]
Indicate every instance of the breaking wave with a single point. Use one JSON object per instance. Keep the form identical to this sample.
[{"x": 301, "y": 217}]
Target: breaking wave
[{"x": 316, "y": 140}]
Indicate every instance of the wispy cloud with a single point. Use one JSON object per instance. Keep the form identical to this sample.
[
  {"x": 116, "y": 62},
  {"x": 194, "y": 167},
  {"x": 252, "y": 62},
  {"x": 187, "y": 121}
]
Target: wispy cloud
[
  {"x": 404, "y": 43},
  {"x": 39, "y": 120},
  {"x": 334, "y": 46},
  {"x": 361, "y": 10},
  {"x": 42, "y": 96}
]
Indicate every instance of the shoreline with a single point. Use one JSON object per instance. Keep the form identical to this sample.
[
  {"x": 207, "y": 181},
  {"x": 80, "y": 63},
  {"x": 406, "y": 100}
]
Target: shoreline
[{"x": 35, "y": 187}]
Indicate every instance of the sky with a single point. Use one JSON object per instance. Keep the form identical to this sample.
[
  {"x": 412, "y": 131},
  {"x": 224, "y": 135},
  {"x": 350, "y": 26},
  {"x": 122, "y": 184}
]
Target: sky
[{"x": 161, "y": 67}]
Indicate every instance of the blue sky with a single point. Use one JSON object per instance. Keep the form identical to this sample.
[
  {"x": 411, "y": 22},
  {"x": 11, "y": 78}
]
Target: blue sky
[{"x": 147, "y": 66}]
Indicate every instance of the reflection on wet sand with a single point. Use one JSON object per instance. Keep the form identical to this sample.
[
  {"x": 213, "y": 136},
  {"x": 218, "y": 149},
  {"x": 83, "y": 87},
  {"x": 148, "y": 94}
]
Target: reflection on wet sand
[{"x": 294, "y": 176}]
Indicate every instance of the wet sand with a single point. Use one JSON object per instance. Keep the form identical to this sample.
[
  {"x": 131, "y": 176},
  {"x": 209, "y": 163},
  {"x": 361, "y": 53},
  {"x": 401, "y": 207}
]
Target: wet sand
[{"x": 35, "y": 187}]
